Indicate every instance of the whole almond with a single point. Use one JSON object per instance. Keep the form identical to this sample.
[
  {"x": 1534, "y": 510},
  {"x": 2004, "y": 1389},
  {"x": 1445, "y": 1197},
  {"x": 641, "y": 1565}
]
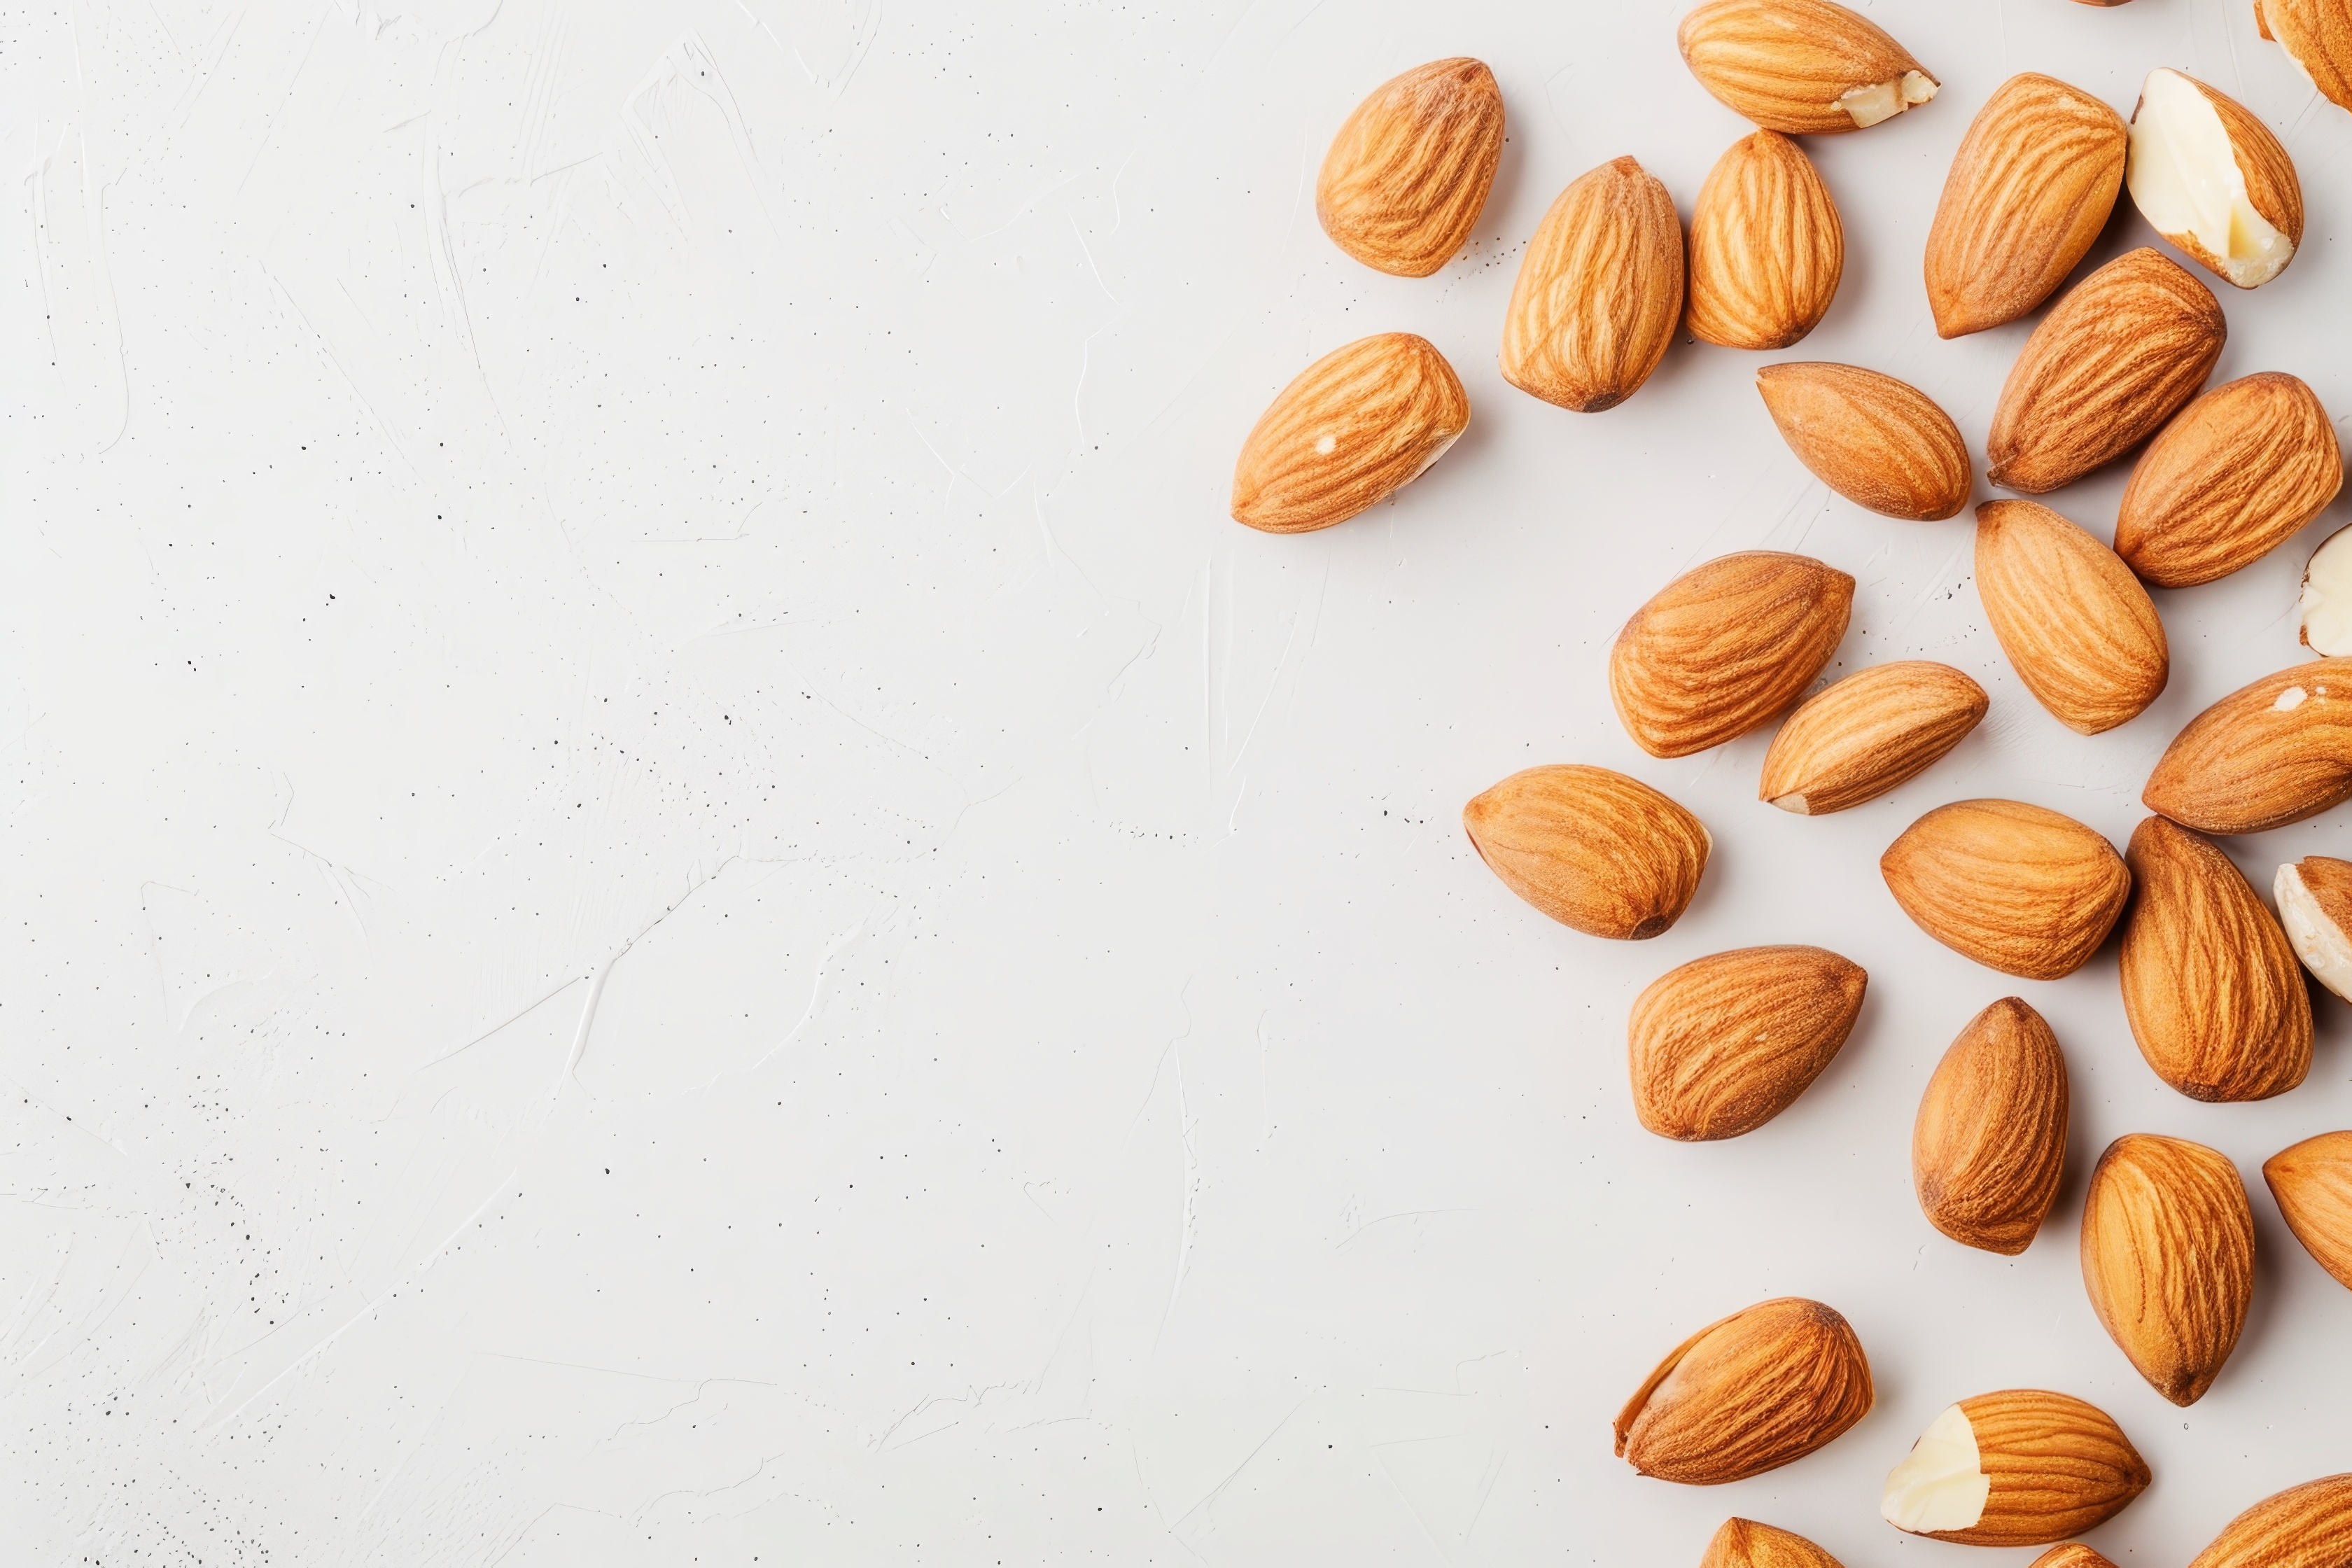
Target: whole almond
[
  {"x": 1744, "y": 1543},
  {"x": 1874, "y": 440},
  {"x": 1756, "y": 1390},
  {"x": 1599, "y": 293},
  {"x": 2234, "y": 475},
  {"x": 2273, "y": 752},
  {"x": 2314, "y": 906},
  {"x": 1722, "y": 1045},
  {"x": 1876, "y": 728},
  {"x": 1407, "y": 173},
  {"x": 1766, "y": 247},
  {"x": 2021, "y": 1467},
  {"x": 1725, "y": 647},
  {"x": 2214, "y": 180},
  {"x": 1358, "y": 426},
  {"x": 2313, "y": 1183},
  {"x": 2079, "y": 631},
  {"x": 2169, "y": 1259},
  {"x": 2017, "y": 887},
  {"x": 1989, "y": 1142},
  {"x": 2318, "y": 37},
  {"x": 2029, "y": 189},
  {"x": 1800, "y": 67},
  {"x": 2309, "y": 1526},
  {"x": 2073, "y": 1554},
  {"x": 1591, "y": 848},
  {"x": 2109, "y": 365}
]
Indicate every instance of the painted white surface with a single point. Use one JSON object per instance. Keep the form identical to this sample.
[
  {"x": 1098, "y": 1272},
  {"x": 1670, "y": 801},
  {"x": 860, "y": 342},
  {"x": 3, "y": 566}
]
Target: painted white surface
[{"x": 671, "y": 893}]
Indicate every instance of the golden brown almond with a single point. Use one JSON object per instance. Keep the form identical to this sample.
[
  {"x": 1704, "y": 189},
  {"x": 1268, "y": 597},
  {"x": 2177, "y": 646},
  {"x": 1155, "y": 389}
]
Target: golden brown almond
[
  {"x": 2313, "y": 1183},
  {"x": 1591, "y": 848},
  {"x": 1355, "y": 428},
  {"x": 1876, "y": 728},
  {"x": 1724, "y": 1044},
  {"x": 2234, "y": 476},
  {"x": 2029, "y": 189},
  {"x": 1407, "y": 173},
  {"x": 2211, "y": 178},
  {"x": 2309, "y": 1526},
  {"x": 2106, "y": 368},
  {"x": 1766, "y": 247},
  {"x": 1800, "y": 67},
  {"x": 2169, "y": 1259},
  {"x": 1725, "y": 647},
  {"x": 2074, "y": 1555},
  {"x": 2015, "y": 887},
  {"x": 2079, "y": 631},
  {"x": 1600, "y": 291},
  {"x": 2318, "y": 37},
  {"x": 1989, "y": 1142},
  {"x": 2326, "y": 598},
  {"x": 1874, "y": 440},
  {"x": 2021, "y": 1467},
  {"x": 1754, "y": 1392},
  {"x": 1744, "y": 1543},
  {"x": 2314, "y": 906},
  {"x": 2273, "y": 752}
]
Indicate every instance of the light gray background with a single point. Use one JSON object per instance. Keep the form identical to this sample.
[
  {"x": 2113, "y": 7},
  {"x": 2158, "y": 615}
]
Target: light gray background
[{"x": 672, "y": 892}]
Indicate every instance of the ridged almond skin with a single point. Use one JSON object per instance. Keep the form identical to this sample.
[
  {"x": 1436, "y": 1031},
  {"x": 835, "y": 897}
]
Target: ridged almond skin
[
  {"x": 2235, "y": 475},
  {"x": 2017, "y": 887},
  {"x": 2313, "y": 1183},
  {"x": 1878, "y": 728},
  {"x": 1756, "y": 1390},
  {"x": 2309, "y": 1526},
  {"x": 1744, "y": 1543},
  {"x": 2059, "y": 1466},
  {"x": 2317, "y": 35},
  {"x": 1355, "y": 428},
  {"x": 2029, "y": 189},
  {"x": 1989, "y": 1143},
  {"x": 1875, "y": 440},
  {"x": 1790, "y": 65},
  {"x": 1407, "y": 173},
  {"x": 1724, "y": 1044},
  {"x": 2273, "y": 188},
  {"x": 2169, "y": 1259},
  {"x": 1725, "y": 647},
  {"x": 1591, "y": 848},
  {"x": 2106, "y": 368},
  {"x": 2275, "y": 751},
  {"x": 2073, "y": 1554},
  {"x": 1766, "y": 246},
  {"x": 2079, "y": 631},
  {"x": 1600, "y": 291}
]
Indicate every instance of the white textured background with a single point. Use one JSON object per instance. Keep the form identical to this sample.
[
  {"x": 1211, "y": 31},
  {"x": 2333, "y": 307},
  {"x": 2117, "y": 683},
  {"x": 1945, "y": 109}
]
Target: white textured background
[{"x": 671, "y": 892}]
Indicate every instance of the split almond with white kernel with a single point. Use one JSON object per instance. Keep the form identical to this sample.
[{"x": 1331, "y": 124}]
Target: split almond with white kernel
[
  {"x": 2313, "y": 1183},
  {"x": 2169, "y": 1259},
  {"x": 2021, "y": 1467},
  {"x": 1724, "y": 1044},
  {"x": 1758, "y": 1390},
  {"x": 1800, "y": 67},
  {"x": 2273, "y": 751},
  {"x": 1989, "y": 1143},
  {"x": 1407, "y": 173},
  {"x": 1725, "y": 647},
  {"x": 1591, "y": 848},
  {"x": 1600, "y": 291},
  {"x": 2016, "y": 886},
  {"x": 1766, "y": 246},
  {"x": 2309, "y": 1526},
  {"x": 2314, "y": 906},
  {"x": 1871, "y": 439},
  {"x": 1876, "y": 728},
  {"x": 1355, "y": 428},
  {"x": 2234, "y": 475},
  {"x": 2214, "y": 180},
  {"x": 2326, "y": 598},
  {"x": 2079, "y": 631}
]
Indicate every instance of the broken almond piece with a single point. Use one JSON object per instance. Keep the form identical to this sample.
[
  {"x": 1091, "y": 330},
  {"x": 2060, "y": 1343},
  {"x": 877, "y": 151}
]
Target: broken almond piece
[
  {"x": 1800, "y": 67},
  {"x": 2211, "y": 178},
  {"x": 2327, "y": 596},
  {"x": 2021, "y": 1467},
  {"x": 2314, "y": 905}
]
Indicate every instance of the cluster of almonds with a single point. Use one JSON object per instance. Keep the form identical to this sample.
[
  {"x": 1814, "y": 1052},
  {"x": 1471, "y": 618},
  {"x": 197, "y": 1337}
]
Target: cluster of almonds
[{"x": 2211, "y": 985}]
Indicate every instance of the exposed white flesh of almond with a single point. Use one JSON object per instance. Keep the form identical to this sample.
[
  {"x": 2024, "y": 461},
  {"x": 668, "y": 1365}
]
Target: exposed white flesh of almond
[
  {"x": 1940, "y": 1485},
  {"x": 2327, "y": 596},
  {"x": 2322, "y": 944},
  {"x": 2185, "y": 179},
  {"x": 1886, "y": 100}
]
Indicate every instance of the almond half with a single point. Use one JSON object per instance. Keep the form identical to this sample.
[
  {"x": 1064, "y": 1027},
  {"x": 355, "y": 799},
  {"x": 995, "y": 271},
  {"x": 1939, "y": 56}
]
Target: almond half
[
  {"x": 1867, "y": 733},
  {"x": 1407, "y": 173},
  {"x": 1760, "y": 1389},
  {"x": 1766, "y": 246},
  {"x": 2079, "y": 631},
  {"x": 2017, "y": 887},
  {"x": 1355, "y": 428},
  {"x": 2211, "y": 178},
  {"x": 1724, "y": 1044},
  {"x": 1725, "y": 647},
  {"x": 2326, "y": 598},
  {"x": 1744, "y": 1543},
  {"x": 2275, "y": 751},
  {"x": 1874, "y": 440},
  {"x": 1591, "y": 848},
  {"x": 1800, "y": 67},
  {"x": 2234, "y": 476},
  {"x": 2318, "y": 37},
  {"x": 2021, "y": 1467},
  {"x": 2309, "y": 1526},
  {"x": 2169, "y": 1259},
  {"x": 1989, "y": 1142},
  {"x": 2313, "y": 1183},
  {"x": 1599, "y": 293},
  {"x": 2314, "y": 906}
]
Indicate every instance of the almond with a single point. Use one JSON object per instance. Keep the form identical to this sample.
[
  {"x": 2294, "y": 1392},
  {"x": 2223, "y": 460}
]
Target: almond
[
  {"x": 1756, "y": 1390},
  {"x": 1591, "y": 848},
  {"x": 1869, "y": 732},
  {"x": 2079, "y": 631},
  {"x": 2318, "y": 37},
  {"x": 2074, "y": 1555},
  {"x": 2326, "y": 598},
  {"x": 2124, "y": 348},
  {"x": 2313, "y": 1183},
  {"x": 2169, "y": 1259},
  {"x": 1722, "y": 1045},
  {"x": 2211, "y": 986},
  {"x": 2314, "y": 906},
  {"x": 1358, "y": 424},
  {"x": 1599, "y": 293},
  {"x": 1874, "y": 440},
  {"x": 1800, "y": 67},
  {"x": 2015, "y": 887},
  {"x": 1766, "y": 247},
  {"x": 1989, "y": 1142},
  {"x": 2211, "y": 178},
  {"x": 2029, "y": 189},
  {"x": 2273, "y": 752},
  {"x": 2309, "y": 1526},
  {"x": 1725, "y": 647},
  {"x": 2233, "y": 476},
  {"x": 1407, "y": 173},
  {"x": 1744, "y": 1543},
  {"x": 2021, "y": 1467}
]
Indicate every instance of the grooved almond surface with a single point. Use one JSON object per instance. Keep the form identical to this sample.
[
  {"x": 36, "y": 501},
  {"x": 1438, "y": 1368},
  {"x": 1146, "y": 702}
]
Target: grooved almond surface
[
  {"x": 1744, "y": 1543},
  {"x": 2169, "y": 1259},
  {"x": 1875, "y": 440},
  {"x": 1356, "y": 426},
  {"x": 1800, "y": 67},
  {"x": 1756, "y": 1390},
  {"x": 2309, "y": 1526},
  {"x": 2275, "y": 751},
  {"x": 2046, "y": 1465},
  {"x": 2313, "y": 1183},
  {"x": 1989, "y": 1143},
  {"x": 1724, "y": 1044},
  {"x": 2073, "y": 1554},
  {"x": 1407, "y": 173},
  {"x": 2317, "y": 35},
  {"x": 2236, "y": 474},
  {"x": 1600, "y": 291},
  {"x": 1725, "y": 647},
  {"x": 1589, "y": 848},
  {"x": 2079, "y": 631},
  {"x": 1766, "y": 246},
  {"x": 2018, "y": 887},
  {"x": 1873, "y": 731}
]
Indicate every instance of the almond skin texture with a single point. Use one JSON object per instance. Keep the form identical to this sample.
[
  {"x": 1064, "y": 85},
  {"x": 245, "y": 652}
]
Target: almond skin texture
[
  {"x": 1871, "y": 732},
  {"x": 2315, "y": 904},
  {"x": 1358, "y": 424},
  {"x": 2073, "y": 1554},
  {"x": 2108, "y": 367},
  {"x": 2021, "y": 1467},
  {"x": 1874, "y": 440},
  {"x": 1591, "y": 848},
  {"x": 2313, "y": 1183},
  {"x": 2317, "y": 35},
  {"x": 2309, "y": 1526},
  {"x": 1766, "y": 247},
  {"x": 1725, "y": 647},
  {"x": 2233, "y": 477},
  {"x": 2169, "y": 1259},
  {"x": 1600, "y": 291},
  {"x": 1744, "y": 1543},
  {"x": 1754, "y": 1392},
  {"x": 2211, "y": 179},
  {"x": 2017, "y": 887},
  {"x": 1407, "y": 173},
  {"x": 1989, "y": 1142},
  {"x": 1722, "y": 1045},
  {"x": 1800, "y": 67},
  {"x": 2079, "y": 631},
  {"x": 2029, "y": 189},
  {"x": 2213, "y": 990},
  {"x": 2270, "y": 752}
]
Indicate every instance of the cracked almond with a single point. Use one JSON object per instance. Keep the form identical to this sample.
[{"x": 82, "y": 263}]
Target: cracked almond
[
  {"x": 1355, "y": 428},
  {"x": 2079, "y": 631},
  {"x": 1725, "y": 647},
  {"x": 2214, "y": 180},
  {"x": 1600, "y": 291},
  {"x": 2314, "y": 906},
  {"x": 2018, "y": 887},
  {"x": 1766, "y": 246},
  {"x": 1875, "y": 440},
  {"x": 2169, "y": 1259},
  {"x": 1989, "y": 1142},
  {"x": 1591, "y": 848},
  {"x": 1407, "y": 173},
  {"x": 1724, "y": 1044},
  {"x": 2313, "y": 1183},
  {"x": 1800, "y": 67},
  {"x": 1876, "y": 728},
  {"x": 1760, "y": 1389},
  {"x": 2275, "y": 751},
  {"x": 2021, "y": 1467},
  {"x": 2234, "y": 475}
]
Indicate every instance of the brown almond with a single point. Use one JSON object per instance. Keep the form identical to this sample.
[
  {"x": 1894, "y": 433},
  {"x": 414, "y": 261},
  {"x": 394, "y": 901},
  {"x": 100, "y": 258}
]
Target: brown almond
[
  {"x": 2017, "y": 887},
  {"x": 2315, "y": 906},
  {"x": 1874, "y": 440},
  {"x": 2191, "y": 144},
  {"x": 2079, "y": 631},
  {"x": 2235, "y": 475},
  {"x": 2309, "y": 1526},
  {"x": 1756, "y": 1390},
  {"x": 2317, "y": 35},
  {"x": 2021, "y": 1467},
  {"x": 1599, "y": 293},
  {"x": 1876, "y": 728},
  {"x": 1800, "y": 67},
  {"x": 1989, "y": 1142},
  {"x": 1744, "y": 1543},
  {"x": 2074, "y": 1555},
  {"x": 1355, "y": 428},
  {"x": 1591, "y": 848},
  {"x": 2313, "y": 1183},
  {"x": 2169, "y": 1259},
  {"x": 1725, "y": 647},
  {"x": 1724, "y": 1044},
  {"x": 1766, "y": 246},
  {"x": 2275, "y": 751},
  {"x": 1407, "y": 173}
]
